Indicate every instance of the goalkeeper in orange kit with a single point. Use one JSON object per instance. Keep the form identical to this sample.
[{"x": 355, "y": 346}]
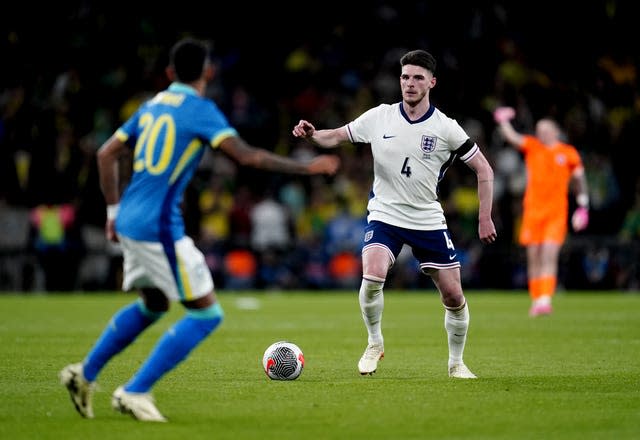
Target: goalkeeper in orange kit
[{"x": 553, "y": 168}]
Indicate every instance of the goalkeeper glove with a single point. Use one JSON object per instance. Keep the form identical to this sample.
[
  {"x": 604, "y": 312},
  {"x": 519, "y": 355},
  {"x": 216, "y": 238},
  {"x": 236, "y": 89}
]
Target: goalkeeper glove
[
  {"x": 580, "y": 218},
  {"x": 503, "y": 114}
]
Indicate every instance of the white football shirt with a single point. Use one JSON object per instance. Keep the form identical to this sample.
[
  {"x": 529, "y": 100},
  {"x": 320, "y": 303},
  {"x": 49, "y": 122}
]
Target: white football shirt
[{"x": 409, "y": 159}]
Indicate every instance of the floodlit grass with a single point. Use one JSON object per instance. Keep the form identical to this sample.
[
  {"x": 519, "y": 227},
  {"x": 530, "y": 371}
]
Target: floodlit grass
[{"x": 573, "y": 375}]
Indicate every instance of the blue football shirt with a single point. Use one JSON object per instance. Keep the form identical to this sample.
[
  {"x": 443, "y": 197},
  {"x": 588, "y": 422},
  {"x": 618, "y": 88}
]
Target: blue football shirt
[{"x": 169, "y": 134}]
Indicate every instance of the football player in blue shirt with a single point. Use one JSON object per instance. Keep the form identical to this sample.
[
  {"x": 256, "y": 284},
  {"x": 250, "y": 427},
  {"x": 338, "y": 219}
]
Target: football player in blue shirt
[{"x": 168, "y": 135}]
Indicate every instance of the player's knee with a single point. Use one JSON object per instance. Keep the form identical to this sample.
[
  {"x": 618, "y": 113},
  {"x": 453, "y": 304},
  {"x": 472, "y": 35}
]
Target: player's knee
[
  {"x": 152, "y": 314},
  {"x": 207, "y": 318},
  {"x": 454, "y": 302},
  {"x": 155, "y": 300},
  {"x": 371, "y": 285}
]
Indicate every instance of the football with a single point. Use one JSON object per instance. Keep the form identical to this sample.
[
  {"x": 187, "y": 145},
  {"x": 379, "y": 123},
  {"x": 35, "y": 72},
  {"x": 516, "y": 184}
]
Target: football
[{"x": 283, "y": 360}]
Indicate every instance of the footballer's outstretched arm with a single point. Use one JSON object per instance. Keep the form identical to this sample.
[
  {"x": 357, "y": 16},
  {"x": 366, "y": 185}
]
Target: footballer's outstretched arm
[
  {"x": 503, "y": 117},
  {"x": 327, "y": 138},
  {"x": 248, "y": 155}
]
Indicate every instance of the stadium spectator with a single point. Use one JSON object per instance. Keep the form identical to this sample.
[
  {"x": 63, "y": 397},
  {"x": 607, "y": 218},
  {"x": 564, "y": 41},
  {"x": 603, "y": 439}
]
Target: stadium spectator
[
  {"x": 630, "y": 230},
  {"x": 343, "y": 232},
  {"x": 240, "y": 268},
  {"x": 345, "y": 268},
  {"x": 169, "y": 133},
  {"x": 628, "y": 274},
  {"x": 57, "y": 244},
  {"x": 413, "y": 144},
  {"x": 553, "y": 168},
  {"x": 240, "y": 217},
  {"x": 271, "y": 224}
]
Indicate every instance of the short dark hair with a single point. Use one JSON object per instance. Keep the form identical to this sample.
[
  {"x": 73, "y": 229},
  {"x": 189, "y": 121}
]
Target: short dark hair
[
  {"x": 188, "y": 58},
  {"x": 420, "y": 58}
]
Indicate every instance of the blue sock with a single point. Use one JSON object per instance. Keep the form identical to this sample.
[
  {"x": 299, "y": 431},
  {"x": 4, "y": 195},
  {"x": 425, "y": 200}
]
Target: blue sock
[
  {"x": 121, "y": 331},
  {"x": 174, "y": 346}
]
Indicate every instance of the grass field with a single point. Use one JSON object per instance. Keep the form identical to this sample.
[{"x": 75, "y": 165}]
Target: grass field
[{"x": 573, "y": 375}]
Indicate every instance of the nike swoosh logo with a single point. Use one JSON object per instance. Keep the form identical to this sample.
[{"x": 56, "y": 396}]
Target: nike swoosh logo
[
  {"x": 451, "y": 257},
  {"x": 386, "y": 136}
]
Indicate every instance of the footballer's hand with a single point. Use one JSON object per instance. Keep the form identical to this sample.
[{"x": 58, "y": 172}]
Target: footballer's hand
[
  {"x": 110, "y": 231},
  {"x": 580, "y": 218},
  {"x": 504, "y": 114},
  {"x": 304, "y": 129},
  {"x": 324, "y": 164},
  {"x": 487, "y": 231}
]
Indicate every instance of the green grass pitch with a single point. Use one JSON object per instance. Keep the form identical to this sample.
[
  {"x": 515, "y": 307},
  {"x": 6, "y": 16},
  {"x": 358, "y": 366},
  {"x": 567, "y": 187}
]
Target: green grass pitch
[{"x": 572, "y": 375}]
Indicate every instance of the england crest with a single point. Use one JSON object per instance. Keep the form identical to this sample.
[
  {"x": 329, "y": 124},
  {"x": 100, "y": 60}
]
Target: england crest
[
  {"x": 428, "y": 144},
  {"x": 368, "y": 236}
]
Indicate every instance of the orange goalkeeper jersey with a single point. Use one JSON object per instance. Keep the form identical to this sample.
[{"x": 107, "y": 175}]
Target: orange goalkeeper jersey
[{"x": 546, "y": 204}]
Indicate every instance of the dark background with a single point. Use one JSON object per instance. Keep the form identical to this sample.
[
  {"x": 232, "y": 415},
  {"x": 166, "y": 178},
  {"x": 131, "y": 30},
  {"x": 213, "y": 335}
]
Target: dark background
[{"x": 72, "y": 72}]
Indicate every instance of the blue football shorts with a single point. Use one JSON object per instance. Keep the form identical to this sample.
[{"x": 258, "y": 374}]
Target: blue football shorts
[{"x": 432, "y": 249}]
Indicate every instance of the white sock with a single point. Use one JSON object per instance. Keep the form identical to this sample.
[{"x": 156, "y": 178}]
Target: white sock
[
  {"x": 372, "y": 304},
  {"x": 544, "y": 300},
  {"x": 456, "y": 322}
]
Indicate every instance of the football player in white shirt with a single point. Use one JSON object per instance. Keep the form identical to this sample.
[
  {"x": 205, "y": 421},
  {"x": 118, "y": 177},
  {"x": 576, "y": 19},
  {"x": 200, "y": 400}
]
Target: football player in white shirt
[{"x": 413, "y": 144}]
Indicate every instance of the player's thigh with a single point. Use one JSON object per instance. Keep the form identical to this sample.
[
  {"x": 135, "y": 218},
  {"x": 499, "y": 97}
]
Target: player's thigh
[
  {"x": 449, "y": 285},
  {"x": 542, "y": 229},
  {"x": 194, "y": 277},
  {"x": 181, "y": 272},
  {"x": 433, "y": 249},
  {"x": 376, "y": 261},
  {"x": 555, "y": 231},
  {"x": 381, "y": 246}
]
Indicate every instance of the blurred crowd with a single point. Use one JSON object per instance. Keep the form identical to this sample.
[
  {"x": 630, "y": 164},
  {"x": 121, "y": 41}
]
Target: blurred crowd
[{"x": 64, "y": 91}]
